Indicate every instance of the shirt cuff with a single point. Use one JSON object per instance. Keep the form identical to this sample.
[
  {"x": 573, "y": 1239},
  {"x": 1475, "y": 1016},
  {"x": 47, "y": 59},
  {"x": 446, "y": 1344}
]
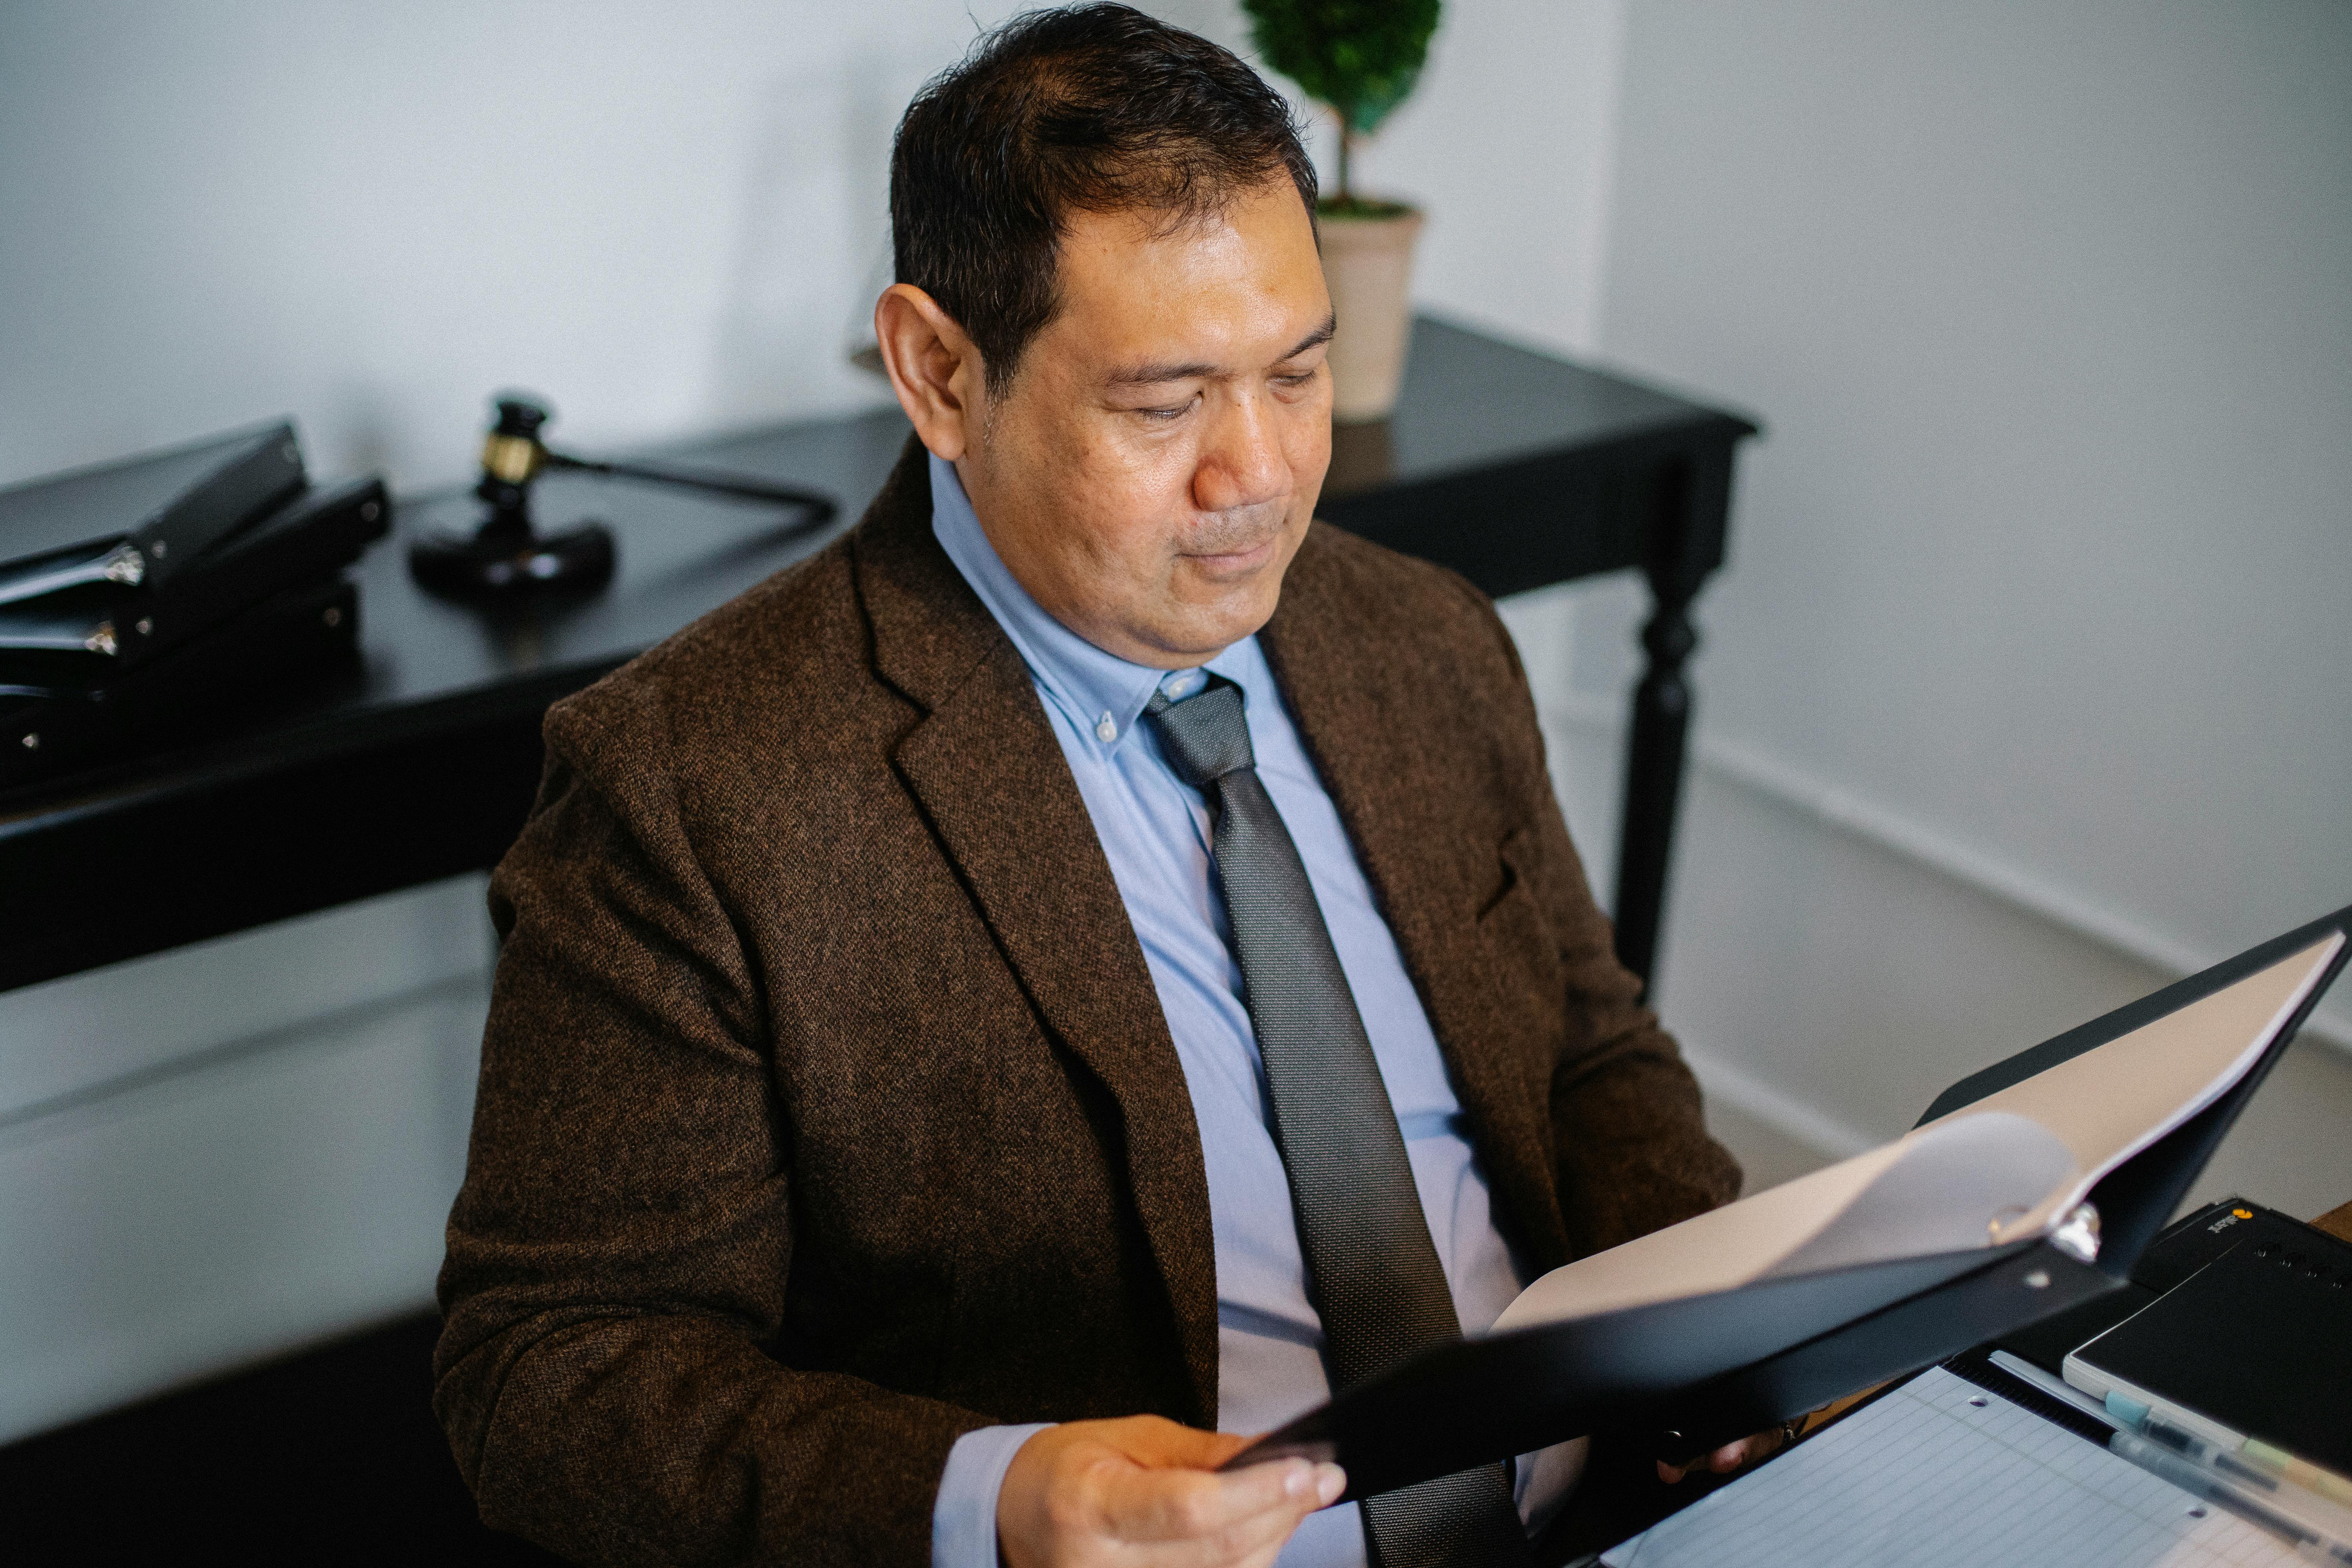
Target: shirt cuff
[{"x": 963, "y": 1519}]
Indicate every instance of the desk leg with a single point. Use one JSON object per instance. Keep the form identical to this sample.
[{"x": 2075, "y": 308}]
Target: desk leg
[
  {"x": 1654, "y": 775},
  {"x": 1692, "y": 513}
]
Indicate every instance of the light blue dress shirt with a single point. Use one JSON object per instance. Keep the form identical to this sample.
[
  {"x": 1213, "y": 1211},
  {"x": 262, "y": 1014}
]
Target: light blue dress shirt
[{"x": 1155, "y": 831}]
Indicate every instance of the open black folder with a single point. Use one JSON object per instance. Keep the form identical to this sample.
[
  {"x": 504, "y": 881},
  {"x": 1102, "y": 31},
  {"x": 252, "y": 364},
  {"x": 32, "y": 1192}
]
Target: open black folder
[{"x": 2026, "y": 1188}]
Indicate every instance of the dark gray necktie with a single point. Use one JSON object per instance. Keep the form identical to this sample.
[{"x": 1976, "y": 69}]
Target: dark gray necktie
[{"x": 1371, "y": 1265}]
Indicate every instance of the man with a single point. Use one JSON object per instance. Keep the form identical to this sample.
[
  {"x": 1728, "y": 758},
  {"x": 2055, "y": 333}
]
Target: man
[{"x": 1071, "y": 971}]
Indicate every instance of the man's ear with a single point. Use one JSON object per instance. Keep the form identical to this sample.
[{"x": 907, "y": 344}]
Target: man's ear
[{"x": 934, "y": 368}]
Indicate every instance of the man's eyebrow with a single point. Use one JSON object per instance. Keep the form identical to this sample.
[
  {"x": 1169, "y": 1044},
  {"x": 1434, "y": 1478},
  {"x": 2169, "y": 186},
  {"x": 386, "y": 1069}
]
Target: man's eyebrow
[
  {"x": 1321, "y": 334},
  {"x": 1152, "y": 371}
]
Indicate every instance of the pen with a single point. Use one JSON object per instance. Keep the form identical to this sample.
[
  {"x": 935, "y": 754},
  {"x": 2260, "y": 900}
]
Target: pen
[
  {"x": 2216, "y": 1486},
  {"x": 2260, "y": 1492},
  {"x": 2303, "y": 1472},
  {"x": 2065, "y": 1393},
  {"x": 2318, "y": 1513}
]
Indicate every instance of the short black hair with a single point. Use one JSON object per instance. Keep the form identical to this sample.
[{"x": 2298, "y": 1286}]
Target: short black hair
[{"x": 1093, "y": 108}]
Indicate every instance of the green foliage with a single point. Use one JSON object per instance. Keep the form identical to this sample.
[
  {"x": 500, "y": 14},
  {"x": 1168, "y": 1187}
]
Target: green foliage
[{"x": 1360, "y": 57}]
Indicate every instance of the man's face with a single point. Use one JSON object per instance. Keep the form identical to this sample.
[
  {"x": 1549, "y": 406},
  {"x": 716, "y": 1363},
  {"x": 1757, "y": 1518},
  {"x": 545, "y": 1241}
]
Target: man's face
[{"x": 1152, "y": 468}]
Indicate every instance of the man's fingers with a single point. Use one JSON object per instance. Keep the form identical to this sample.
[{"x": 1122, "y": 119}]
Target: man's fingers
[
  {"x": 1184, "y": 1505},
  {"x": 1286, "y": 1484},
  {"x": 1731, "y": 1455},
  {"x": 1255, "y": 1538},
  {"x": 1176, "y": 1505},
  {"x": 1722, "y": 1462},
  {"x": 1138, "y": 1490}
]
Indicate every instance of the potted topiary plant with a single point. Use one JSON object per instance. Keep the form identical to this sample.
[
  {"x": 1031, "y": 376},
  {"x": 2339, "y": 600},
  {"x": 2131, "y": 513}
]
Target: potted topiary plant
[{"x": 1358, "y": 59}]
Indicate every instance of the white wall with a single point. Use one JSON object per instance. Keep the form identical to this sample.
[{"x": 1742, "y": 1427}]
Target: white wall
[
  {"x": 373, "y": 215},
  {"x": 1509, "y": 142},
  {"x": 2024, "y": 687},
  {"x": 668, "y": 219}
]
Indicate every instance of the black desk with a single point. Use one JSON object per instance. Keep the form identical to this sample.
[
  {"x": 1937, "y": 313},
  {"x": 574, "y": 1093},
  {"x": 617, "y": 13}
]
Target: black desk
[{"x": 1514, "y": 468}]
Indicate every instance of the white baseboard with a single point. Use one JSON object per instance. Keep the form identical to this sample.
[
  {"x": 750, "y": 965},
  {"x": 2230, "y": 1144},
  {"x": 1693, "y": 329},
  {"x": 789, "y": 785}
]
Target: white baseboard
[{"x": 1785, "y": 1113}]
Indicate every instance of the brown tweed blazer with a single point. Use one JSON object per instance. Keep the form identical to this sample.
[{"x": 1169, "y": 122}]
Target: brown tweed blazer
[{"x": 828, "y": 1111}]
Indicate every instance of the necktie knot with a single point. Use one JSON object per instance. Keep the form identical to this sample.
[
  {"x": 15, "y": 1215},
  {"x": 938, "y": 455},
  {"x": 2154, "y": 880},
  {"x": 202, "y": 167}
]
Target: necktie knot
[{"x": 1206, "y": 736}]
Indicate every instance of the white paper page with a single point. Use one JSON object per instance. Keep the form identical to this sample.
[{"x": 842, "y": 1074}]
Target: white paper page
[
  {"x": 2008, "y": 1166},
  {"x": 1923, "y": 1192},
  {"x": 2110, "y": 1103},
  {"x": 1943, "y": 1474}
]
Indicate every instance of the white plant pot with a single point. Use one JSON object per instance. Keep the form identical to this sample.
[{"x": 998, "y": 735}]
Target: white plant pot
[{"x": 1368, "y": 267}]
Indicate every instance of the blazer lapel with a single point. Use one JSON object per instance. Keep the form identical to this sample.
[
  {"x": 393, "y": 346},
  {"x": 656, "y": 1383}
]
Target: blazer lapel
[
  {"x": 989, "y": 775},
  {"x": 1391, "y": 785}
]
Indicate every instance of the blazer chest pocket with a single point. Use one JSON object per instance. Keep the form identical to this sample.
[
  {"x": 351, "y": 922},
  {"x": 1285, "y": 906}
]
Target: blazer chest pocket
[{"x": 1517, "y": 936}]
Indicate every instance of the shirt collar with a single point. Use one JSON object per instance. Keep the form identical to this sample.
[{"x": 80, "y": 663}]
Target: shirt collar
[{"x": 1103, "y": 694}]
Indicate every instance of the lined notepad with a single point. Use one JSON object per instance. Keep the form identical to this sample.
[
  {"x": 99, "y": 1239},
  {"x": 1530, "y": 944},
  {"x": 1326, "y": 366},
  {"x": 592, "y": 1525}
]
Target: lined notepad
[{"x": 1941, "y": 1472}]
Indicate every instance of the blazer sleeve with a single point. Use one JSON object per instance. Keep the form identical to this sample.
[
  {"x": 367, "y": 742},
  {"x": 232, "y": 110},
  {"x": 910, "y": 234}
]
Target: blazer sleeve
[
  {"x": 1632, "y": 1148},
  {"x": 618, "y": 1253}
]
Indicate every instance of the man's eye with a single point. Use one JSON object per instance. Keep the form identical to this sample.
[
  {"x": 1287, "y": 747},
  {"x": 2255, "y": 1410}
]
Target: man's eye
[{"x": 1169, "y": 412}]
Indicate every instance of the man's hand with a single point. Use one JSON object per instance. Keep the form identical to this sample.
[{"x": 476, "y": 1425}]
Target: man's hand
[
  {"x": 1730, "y": 1456},
  {"x": 1140, "y": 1493}
]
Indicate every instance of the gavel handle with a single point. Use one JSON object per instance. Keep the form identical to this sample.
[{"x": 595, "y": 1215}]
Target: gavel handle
[{"x": 821, "y": 508}]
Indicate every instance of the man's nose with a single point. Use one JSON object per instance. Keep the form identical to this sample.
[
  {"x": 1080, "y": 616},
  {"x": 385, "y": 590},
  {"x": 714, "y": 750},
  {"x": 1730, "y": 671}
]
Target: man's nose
[{"x": 1241, "y": 464}]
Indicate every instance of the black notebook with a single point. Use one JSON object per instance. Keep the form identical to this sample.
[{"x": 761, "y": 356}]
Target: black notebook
[
  {"x": 257, "y": 658},
  {"x": 2256, "y": 1344},
  {"x": 115, "y": 627},
  {"x": 2188, "y": 1245},
  {"x": 144, "y": 522}
]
